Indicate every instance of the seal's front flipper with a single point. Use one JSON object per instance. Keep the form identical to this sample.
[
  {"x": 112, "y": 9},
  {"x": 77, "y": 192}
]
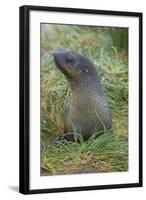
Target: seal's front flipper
[{"x": 70, "y": 137}]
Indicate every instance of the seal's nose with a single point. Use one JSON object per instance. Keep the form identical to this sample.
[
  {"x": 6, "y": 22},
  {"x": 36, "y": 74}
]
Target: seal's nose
[
  {"x": 57, "y": 53},
  {"x": 59, "y": 57}
]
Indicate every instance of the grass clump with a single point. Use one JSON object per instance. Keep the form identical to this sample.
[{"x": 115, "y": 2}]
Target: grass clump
[
  {"x": 103, "y": 154},
  {"x": 108, "y": 152}
]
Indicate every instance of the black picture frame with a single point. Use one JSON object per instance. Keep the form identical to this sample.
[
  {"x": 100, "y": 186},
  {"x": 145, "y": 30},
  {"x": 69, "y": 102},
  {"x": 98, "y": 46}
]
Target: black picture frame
[{"x": 25, "y": 105}]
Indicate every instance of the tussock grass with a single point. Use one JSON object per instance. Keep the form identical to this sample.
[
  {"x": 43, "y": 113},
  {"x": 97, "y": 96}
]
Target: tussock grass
[
  {"x": 103, "y": 154},
  {"x": 108, "y": 152}
]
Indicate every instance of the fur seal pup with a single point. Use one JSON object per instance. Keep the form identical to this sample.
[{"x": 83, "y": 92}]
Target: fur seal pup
[{"x": 88, "y": 109}]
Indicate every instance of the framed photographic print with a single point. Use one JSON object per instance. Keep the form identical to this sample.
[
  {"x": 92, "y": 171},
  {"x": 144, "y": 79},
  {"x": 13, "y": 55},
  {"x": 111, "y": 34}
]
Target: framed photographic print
[{"x": 80, "y": 99}]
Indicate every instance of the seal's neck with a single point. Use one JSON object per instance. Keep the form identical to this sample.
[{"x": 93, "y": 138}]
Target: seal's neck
[{"x": 86, "y": 86}]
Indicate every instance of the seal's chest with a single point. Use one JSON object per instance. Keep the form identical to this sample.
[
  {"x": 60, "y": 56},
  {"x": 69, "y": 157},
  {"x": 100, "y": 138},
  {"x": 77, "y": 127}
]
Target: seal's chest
[
  {"x": 83, "y": 105},
  {"x": 82, "y": 112}
]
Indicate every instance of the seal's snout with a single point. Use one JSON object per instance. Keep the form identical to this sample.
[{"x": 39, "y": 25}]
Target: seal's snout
[
  {"x": 58, "y": 52},
  {"x": 58, "y": 58},
  {"x": 64, "y": 62},
  {"x": 56, "y": 55}
]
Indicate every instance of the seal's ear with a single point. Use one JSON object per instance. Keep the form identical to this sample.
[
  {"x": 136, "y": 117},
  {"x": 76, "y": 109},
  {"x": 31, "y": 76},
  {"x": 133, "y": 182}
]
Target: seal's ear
[{"x": 85, "y": 70}]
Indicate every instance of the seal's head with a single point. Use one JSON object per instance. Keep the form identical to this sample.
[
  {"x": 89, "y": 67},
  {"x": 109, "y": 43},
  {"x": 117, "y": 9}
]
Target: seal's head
[{"x": 73, "y": 65}]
